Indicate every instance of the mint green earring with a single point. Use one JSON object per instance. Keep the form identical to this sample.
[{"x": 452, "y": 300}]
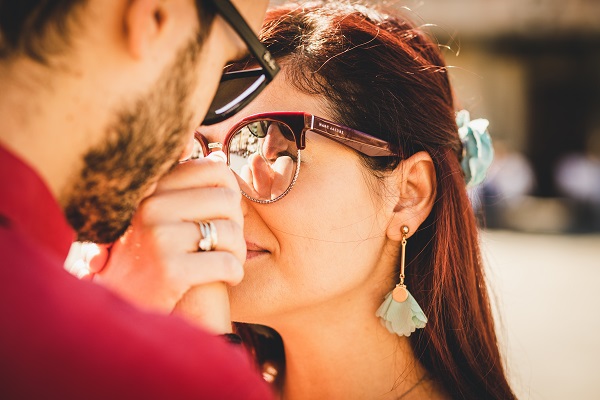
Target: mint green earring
[{"x": 400, "y": 313}]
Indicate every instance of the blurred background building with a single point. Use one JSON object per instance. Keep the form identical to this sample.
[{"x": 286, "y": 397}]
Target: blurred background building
[{"x": 532, "y": 67}]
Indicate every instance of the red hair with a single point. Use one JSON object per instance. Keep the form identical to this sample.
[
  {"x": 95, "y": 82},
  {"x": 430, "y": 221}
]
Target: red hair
[{"x": 382, "y": 75}]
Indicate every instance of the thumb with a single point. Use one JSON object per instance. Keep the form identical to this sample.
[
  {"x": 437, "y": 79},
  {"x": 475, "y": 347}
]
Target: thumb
[{"x": 97, "y": 256}]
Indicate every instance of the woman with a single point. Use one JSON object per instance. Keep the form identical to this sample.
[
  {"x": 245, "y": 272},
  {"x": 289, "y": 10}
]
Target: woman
[{"x": 325, "y": 227}]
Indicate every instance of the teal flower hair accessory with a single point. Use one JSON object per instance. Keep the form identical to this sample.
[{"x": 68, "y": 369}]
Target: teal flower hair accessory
[{"x": 478, "y": 151}]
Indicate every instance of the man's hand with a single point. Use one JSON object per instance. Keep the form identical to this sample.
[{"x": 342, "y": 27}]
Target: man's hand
[{"x": 157, "y": 261}]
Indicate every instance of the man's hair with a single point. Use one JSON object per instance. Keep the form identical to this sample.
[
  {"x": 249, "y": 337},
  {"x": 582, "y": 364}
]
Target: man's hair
[{"x": 39, "y": 29}]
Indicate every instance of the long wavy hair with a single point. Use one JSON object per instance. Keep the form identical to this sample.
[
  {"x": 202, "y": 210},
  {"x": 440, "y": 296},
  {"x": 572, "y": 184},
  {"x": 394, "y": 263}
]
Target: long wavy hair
[{"x": 383, "y": 75}]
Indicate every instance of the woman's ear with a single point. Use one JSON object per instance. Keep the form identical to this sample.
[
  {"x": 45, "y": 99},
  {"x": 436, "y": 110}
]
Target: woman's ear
[{"x": 415, "y": 186}]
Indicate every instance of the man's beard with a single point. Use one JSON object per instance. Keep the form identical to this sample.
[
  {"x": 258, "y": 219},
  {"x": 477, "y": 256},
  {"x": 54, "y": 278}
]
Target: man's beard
[{"x": 140, "y": 146}]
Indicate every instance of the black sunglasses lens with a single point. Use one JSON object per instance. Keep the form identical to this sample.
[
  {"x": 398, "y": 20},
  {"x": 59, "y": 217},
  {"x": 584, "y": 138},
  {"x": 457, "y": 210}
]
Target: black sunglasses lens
[{"x": 235, "y": 91}]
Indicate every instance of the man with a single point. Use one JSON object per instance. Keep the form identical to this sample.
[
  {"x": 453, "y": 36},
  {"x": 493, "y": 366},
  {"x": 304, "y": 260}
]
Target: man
[{"x": 99, "y": 99}]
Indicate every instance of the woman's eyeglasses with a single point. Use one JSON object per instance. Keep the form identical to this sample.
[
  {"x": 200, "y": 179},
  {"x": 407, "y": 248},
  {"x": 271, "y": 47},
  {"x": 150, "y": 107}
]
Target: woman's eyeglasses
[
  {"x": 239, "y": 88},
  {"x": 264, "y": 150}
]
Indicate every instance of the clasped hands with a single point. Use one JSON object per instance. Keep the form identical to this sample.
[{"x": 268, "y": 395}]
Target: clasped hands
[{"x": 157, "y": 264}]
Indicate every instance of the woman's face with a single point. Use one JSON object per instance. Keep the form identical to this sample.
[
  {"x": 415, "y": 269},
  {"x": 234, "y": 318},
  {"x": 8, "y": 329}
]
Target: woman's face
[{"x": 323, "y": 242}]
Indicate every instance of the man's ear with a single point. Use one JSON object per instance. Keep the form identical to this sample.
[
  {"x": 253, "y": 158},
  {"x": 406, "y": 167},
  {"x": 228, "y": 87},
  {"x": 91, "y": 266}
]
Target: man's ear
[
  {"x": 415, "y": 183},
  {"x": 144, "y": 20}
]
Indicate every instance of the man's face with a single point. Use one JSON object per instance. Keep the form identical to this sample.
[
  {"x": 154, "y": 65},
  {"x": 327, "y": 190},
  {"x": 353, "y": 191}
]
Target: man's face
[
  {"x": 147, "y": 137},
  {"x": 140, "y": 145}
]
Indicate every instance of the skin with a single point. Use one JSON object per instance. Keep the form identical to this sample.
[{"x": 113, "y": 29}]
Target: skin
[
  {"x": 324, "y": 257},
  {"x": 320, "y": 261},
  {"x": 76, "y": 140}
]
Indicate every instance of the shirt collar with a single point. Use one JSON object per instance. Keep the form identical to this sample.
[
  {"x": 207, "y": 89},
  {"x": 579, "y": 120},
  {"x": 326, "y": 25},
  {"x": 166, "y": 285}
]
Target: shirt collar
[{"x": 28, "y": 205}]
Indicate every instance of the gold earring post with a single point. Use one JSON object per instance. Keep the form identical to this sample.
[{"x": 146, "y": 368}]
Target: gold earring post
[{"x": 400, "y": 294}]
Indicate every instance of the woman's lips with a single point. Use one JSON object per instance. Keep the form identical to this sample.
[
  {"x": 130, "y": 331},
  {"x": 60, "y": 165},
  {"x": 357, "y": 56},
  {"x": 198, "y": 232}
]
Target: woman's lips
[{"x": 253, "y": 250}]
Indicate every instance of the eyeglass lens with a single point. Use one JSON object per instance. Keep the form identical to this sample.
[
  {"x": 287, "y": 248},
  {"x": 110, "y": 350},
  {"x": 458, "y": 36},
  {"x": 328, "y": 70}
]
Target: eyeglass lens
[{"x": 264, "y": 156}]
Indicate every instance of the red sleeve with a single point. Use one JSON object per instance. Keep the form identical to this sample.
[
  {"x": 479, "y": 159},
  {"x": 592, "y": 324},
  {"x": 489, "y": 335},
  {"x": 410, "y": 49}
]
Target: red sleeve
[{"x": 68, "y": 339}]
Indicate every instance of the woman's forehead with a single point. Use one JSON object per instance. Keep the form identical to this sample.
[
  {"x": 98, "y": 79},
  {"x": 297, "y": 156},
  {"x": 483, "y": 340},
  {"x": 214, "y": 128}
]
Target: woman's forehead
[{"x": 283, "y": 95}]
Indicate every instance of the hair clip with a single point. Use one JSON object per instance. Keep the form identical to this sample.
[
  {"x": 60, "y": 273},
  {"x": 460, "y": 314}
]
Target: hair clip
[{"x": 478, "y": 151}]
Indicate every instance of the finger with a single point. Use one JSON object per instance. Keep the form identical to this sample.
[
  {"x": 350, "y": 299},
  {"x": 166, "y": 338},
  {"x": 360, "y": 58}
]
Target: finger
[
  {"x": 246, "y": 175},
  {"x": 86, "y": 258},
  {"x": 184, "y": 237},
  {"x": 206, "y": 306},
  {"x": 283, "y": 169},
  {"x": 246, "y": 182},
  {"x": 230, "y": 237},
  {"x": 191, "y": 205},
  {"x": 98, "y": 259},
  {"x": 209, "y": 266},
  {"x": 202, "y": 172},
  {"x": 263, "y": 176}
]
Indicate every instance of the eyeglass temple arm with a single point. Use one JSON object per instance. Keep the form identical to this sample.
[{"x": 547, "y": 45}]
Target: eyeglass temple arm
[
  {"x": 228, "y": 11},
  {"x": 360, "y": 141}
]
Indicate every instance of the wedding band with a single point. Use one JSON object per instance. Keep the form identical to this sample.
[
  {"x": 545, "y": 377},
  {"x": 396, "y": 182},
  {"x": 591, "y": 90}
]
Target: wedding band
[
  {"x": 208, "y": 236},
  {"x": 213, "y": 234}
]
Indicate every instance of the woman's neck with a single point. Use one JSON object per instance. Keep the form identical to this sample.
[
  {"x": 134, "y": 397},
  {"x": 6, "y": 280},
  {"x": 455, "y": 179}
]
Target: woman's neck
[{"x": 341, "y": 351}]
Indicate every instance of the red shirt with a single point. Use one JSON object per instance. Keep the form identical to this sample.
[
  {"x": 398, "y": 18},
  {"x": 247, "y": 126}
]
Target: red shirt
[{"x": 62, "y": 338}]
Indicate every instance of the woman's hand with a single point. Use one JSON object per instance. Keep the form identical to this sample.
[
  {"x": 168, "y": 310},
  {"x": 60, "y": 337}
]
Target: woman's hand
[{"x": 157, "y": 265}]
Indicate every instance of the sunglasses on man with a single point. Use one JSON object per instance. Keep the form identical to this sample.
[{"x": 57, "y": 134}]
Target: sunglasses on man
[
  {"x": 239, "y": 88},
  {"x": 264, "y": 150}
]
